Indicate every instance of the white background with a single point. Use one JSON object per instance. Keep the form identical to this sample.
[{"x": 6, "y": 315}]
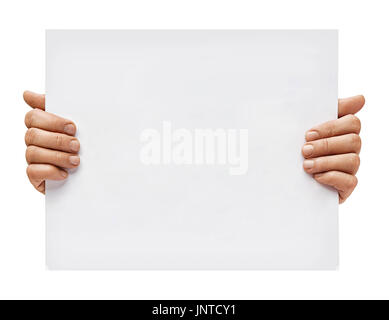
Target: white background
[{"x": 364, "y": 218}]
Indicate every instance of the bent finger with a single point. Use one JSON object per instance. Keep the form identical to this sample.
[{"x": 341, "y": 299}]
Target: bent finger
[
  {"x": 51, "y": 140},
  {"x": 38, "y": 173},
  {"x": 343, "y": 182},
  {"x": 348, "y": 163},
  {"x": 341, "y": 126},
  {"x": 58, "y": 158},
  {"x": 47, "y": 121},
  {"x": 348, "y": 143}
]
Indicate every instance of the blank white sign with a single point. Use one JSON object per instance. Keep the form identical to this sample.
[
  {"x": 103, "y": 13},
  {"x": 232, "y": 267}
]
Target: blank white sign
[{"x": 131, "y": 205}]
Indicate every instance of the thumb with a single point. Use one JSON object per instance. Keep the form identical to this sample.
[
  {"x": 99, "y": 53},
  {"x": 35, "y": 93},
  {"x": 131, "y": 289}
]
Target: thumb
[
  {"x": 350, "y": 105},
  {"x": 34, "y": 100}
]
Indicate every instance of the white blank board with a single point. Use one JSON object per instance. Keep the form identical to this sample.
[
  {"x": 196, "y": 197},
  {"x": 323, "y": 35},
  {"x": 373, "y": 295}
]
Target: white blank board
[{"x": 117, "y": 211}]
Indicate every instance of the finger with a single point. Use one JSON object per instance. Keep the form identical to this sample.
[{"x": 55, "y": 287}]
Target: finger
[
  {"x": 348, "y": 143},
  {"x": 34, "y": 100},
  {"x": 38, "y": 173},
  {"x": 343, "y": 182},
  {"x": 344, "y": 125},
  {"x": 350, "y": 105},
  {"x": 348, "y": 163},
  {"x": 47, "y": 121},
  {"x": 58, "y": 158},
  {"x": 51, "y": 140}
]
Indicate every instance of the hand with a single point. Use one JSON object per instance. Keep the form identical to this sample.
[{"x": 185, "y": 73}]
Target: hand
[
  {"x": 332, "y": 149},
  {"x": 51, "y": 145}
]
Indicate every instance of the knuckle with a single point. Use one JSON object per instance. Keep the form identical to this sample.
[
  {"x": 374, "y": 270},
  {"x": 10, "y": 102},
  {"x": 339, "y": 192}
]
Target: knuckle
[
  {"x": 59, "y": 141},
  {"x": 31, "y": 173},
  {"x": 30, "y": 118},
  {"x": 325, "y": 146},
  {"x": 326, "y": 129},
  {"x": 356, "y": 141},
  {"x": 355, "y": 123},
  {"x": 353, "y": 182},
  {"x": 27, "y": 119},
  {"x": 58, "y": 157},
  {"x": 30, "y": 136},
  {"x": 30, "y": 153},
  {"x": 355, "y": 162},
  {"x": 330, "y": 129}
]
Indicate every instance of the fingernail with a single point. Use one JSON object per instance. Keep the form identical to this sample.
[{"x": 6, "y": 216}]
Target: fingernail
[
  {"x": 74, "y": 145},
  {"x": 74, "y": 160},
  {"x": 308, "y": 164},
  {"x": 70, "y": 129},
  {"x": 311, "y": 135},
  {"x": 64, "y": 173},
  {"x": 308, "y": 150}
]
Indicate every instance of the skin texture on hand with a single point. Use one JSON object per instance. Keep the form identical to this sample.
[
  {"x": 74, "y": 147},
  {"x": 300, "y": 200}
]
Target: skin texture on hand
[
  {"x": 51, "y": 145},
  {"x": 332, "y": 148}
]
